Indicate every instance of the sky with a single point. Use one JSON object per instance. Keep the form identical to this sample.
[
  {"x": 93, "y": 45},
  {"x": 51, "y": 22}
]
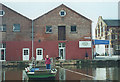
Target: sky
[{"x": 91, "y": 9}]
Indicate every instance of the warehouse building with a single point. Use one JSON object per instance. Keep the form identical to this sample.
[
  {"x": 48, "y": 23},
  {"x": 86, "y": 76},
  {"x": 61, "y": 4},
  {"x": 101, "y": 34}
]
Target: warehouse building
[{"x": 62, "y": 32}]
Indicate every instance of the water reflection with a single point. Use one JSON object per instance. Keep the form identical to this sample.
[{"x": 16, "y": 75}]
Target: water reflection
[
  {"x": 76, "y": 73},
  {"x": 62, "y": 74},
  {"x": 0, "y": 71}
]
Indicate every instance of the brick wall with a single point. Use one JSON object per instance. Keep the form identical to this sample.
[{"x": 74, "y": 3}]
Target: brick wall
[
  {"x": 54, "y": 19},
  {"x": 12, "y": 17}
]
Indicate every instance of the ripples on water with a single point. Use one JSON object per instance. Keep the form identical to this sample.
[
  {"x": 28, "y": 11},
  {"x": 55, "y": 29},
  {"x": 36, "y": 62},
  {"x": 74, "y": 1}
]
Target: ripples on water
[{"x": 69, "y": 73}]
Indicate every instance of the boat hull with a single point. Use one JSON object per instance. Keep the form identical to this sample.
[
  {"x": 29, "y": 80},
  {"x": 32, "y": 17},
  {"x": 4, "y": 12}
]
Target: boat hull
[{"x": 41, "y": 74}]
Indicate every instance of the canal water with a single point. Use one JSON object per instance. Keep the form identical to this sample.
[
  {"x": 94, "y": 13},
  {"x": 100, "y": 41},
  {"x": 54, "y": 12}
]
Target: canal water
[{"x": 69, "y": 73}]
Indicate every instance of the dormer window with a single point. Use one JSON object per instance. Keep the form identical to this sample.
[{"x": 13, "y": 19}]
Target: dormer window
[
  {"x": 2, "y": 12},
  {"x": 62, "y": 13}
]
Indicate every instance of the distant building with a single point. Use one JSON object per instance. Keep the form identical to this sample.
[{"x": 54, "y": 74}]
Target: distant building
[
  {"x": 61, "y": 32},
  {"x": 108, "y": 29}
]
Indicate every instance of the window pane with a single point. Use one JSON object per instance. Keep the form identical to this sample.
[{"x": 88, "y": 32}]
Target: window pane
[
  {"x": 1, "y": 12},
  {"x": 116, "y": 47},
  {"x": 63, "y": 44},
  {"x": 4, "y": 45},
  {"x": 59, "y": 44},
  {"x": 119, "y": 47},
  {"x": 116, "y": 36},
  {"x": 25, "y": 52},
  {"x": 62, "y": 13},
  {"x": 73, "y": 28},
  {"x": 4, "y": 27},
  {"x": 16, "y": 27},
  {"x": 48, "y": 29},
  {"x": 40, "y": 52},
  {"x": 1, "y": 28}
]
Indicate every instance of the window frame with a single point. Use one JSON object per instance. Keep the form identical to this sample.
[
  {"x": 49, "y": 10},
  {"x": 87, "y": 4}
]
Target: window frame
[
  {"x": 2, "y": 27},
  {"x": 46, "y": 29},
  {"x": 62, "y": 11},
  {"x": 27, "y": 52},
  {"x": 3, "y": 12},
  {"x": 116, "y": 36},
  {"x": 41, "y": 49},
  {"x": 75, "y": 29},
  {"x": 116, "y": 47},
  {"x": 14, "y": 28}
]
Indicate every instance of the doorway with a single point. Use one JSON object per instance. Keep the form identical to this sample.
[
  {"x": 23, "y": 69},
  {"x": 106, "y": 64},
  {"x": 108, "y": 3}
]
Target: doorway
[
  {"x": 62, "y": 50},
  {"x": 25, "y": 53},
  {"x": 39, "y": 54},
  {"x": 3, "y": 53},
  {"x": 61, "y": 33}
]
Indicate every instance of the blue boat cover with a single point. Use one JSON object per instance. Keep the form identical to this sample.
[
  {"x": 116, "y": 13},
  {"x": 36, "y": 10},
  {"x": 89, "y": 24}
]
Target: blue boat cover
[{"x": 34, "y": 69}]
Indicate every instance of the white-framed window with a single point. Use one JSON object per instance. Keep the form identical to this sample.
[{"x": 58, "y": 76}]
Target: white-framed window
[
  {"x": 73, "y": 28},
  {"x": 100, "y": 30},
  {"x": 62, "y": 13},
  {"x": 48, "y": 29},
  {"x": 97, "y": 30},
  {"x": 3, "y": 45},
  {"x": 16, "y": 27},
  {"x": 26, "y": 51},
  {"x": 39, "y": 51},
  {"x": 116, "y": 36},
  {"x": 61, "y": 45},
  {"x": 116, "y": 47},
  {"x": 3, "y": 28},
  {"x": 2, "y": 13}
]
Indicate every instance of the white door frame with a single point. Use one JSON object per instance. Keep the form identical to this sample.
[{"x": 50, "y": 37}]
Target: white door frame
[
  {"x": 27, "y": 57},
  {"x": 64, "y": 57},
  {"x": 39, "y": 57},
  {"x": 4, "y": 53}
]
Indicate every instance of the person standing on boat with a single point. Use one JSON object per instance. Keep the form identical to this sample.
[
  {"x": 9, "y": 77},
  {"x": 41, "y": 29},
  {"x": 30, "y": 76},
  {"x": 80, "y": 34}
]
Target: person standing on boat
[{"x": 47, "y": 62}]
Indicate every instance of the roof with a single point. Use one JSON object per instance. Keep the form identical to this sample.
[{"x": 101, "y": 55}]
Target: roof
[
  {"x": 66, "y": 7},
  {"x": 114, "y": 23},
  {"x": 15, "y": 11}
]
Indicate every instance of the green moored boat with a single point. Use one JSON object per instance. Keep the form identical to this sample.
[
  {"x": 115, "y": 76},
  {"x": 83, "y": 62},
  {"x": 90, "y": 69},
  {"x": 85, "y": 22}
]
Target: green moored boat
[{"x": 36, "y": 73}]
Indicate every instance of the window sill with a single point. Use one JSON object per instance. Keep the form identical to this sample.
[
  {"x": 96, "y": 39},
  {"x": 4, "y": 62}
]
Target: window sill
[
  {"x": 48, "y": 32},
  {"x": 16, "y": 31},
  {"x": 2, "y": 31},
  {"x": 74, "y": 32}
]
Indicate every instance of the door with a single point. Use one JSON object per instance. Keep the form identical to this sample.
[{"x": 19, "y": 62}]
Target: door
[
  {"x": 2, "y": 53},
  {"x": 61, "y": 33},
  {"x": 62, "y": 53},
  {"x": 39, "y": 54},
  {"x": 25, "y": 53}
]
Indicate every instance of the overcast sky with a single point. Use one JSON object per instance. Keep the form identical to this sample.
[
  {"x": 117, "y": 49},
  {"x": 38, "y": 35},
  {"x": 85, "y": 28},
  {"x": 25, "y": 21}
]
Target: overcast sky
[{"x": 91, "y": 9}]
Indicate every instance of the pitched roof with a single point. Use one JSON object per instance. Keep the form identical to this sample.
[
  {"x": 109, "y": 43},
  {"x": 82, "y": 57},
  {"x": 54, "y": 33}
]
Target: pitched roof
[
  {"x": 114, "y": 23},
  {"x": 15, "y": 11},
  {"x": 66, "y": 7}
]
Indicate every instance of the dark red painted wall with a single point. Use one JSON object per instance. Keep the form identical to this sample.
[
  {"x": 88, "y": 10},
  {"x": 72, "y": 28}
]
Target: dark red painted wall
[{"x": 14, "y": 49}]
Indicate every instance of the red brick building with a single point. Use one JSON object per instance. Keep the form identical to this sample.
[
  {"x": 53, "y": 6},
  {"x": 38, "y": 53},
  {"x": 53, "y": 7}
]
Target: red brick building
[
  {"x": 16, "y": 34},
  {"x": 57, "y": 33}
]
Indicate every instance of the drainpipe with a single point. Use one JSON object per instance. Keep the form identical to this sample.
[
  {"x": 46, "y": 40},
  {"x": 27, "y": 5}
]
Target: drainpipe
[{"x": 32, "y": 41}]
